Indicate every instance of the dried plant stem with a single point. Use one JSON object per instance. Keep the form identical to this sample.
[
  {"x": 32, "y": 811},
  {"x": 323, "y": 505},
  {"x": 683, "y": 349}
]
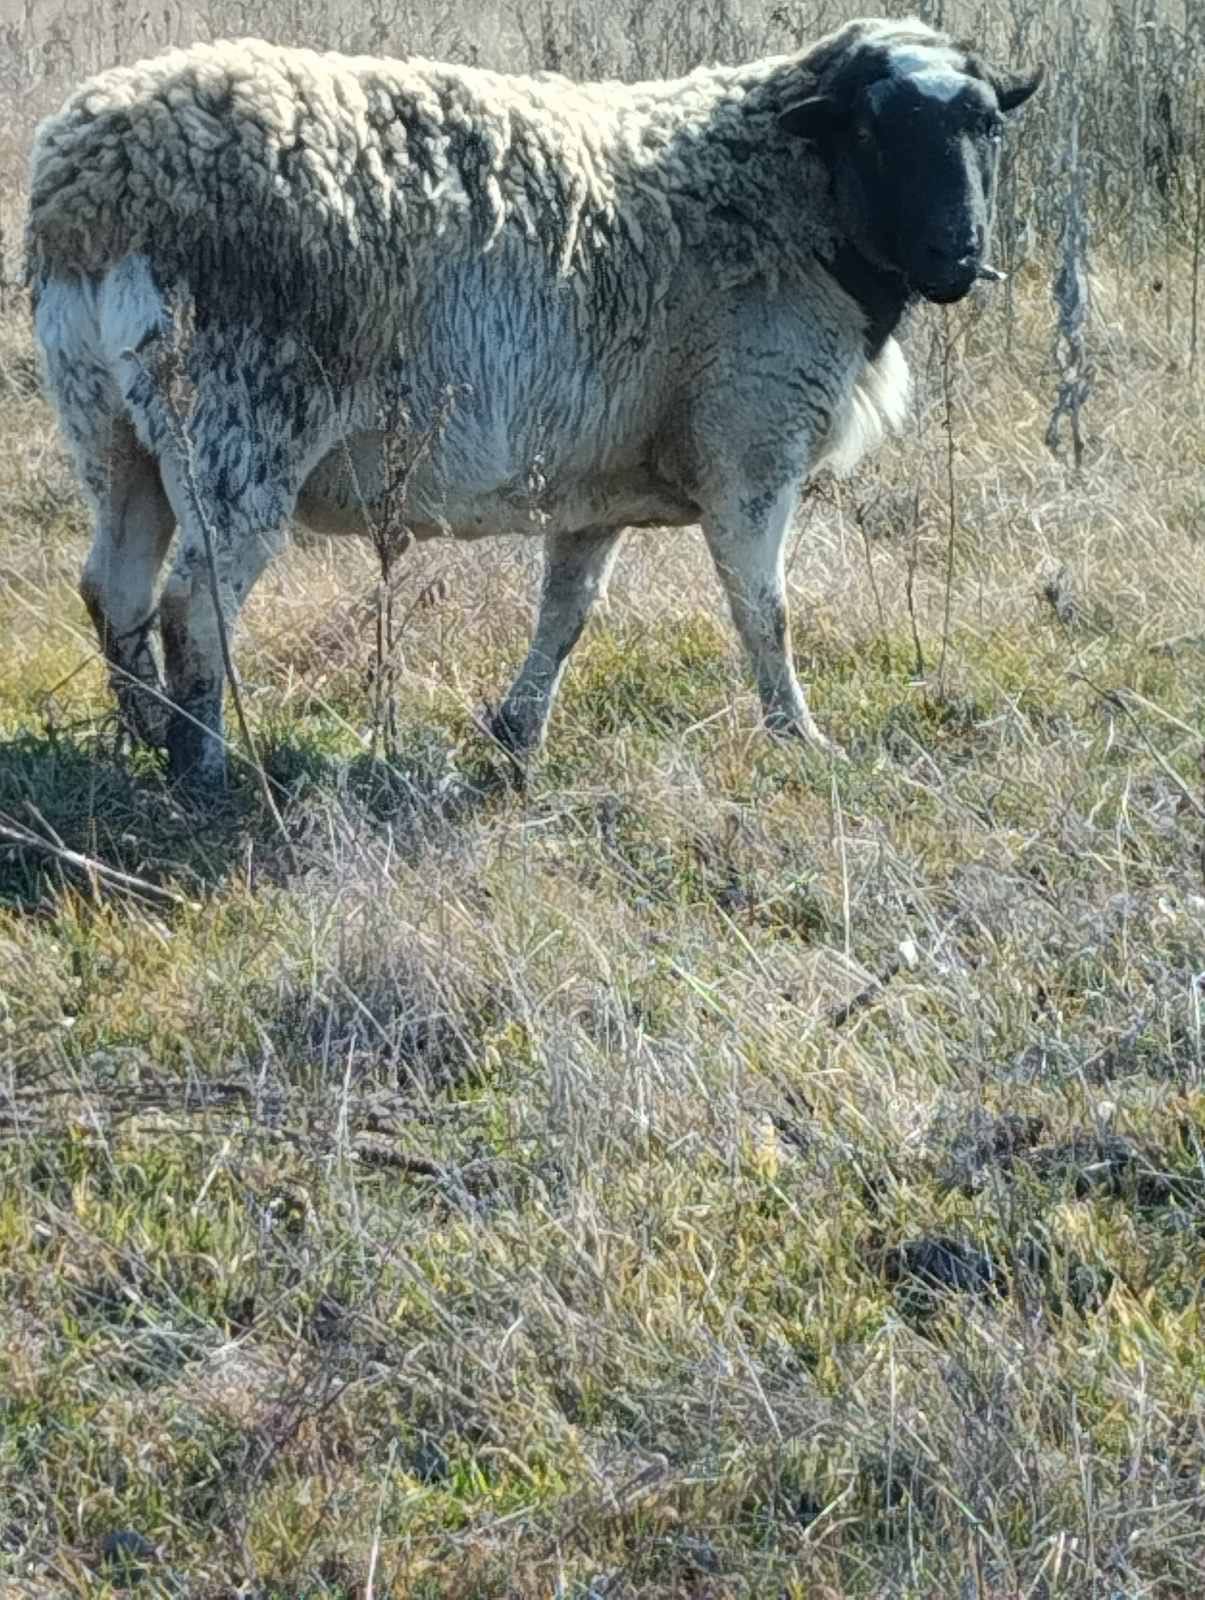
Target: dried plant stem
[
  {"x": 391, "y": 538},
  {"x": 96, "y": 872},
  {"x": 1071, "y": 284},
  {"x": 162, "y": 359},
  {"x": 1198, "y": 241},
  {"x": 215, "y": 590},
  {"x": 910, "y": 585},
  {"x": 947, "y": 395}
]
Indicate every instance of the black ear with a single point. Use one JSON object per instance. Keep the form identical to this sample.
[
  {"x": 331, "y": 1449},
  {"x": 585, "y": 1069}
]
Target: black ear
[
  {"x": 814, "y": 118},
  {"x": 1013, "y": 89}
]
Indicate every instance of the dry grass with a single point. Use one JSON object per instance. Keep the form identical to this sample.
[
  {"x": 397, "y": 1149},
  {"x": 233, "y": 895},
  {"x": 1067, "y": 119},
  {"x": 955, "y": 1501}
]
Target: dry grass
[{"x": 707, "y": 1174}]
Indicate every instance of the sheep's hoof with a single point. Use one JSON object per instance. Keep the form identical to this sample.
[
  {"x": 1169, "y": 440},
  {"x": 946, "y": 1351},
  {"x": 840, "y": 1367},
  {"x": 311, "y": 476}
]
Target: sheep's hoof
[
  {"x": 826, "y": 747},
  {"x": 144, "y": 718},
  {"x": 513, "y": 733},
  {"x": 803, "y": 730},
  {"x": 196, "y": 762},
  {"x": 512, "y": 737}
]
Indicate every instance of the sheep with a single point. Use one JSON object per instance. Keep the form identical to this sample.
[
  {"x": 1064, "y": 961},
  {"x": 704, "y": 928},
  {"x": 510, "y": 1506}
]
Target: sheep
[{"x": 657, "y": 305}]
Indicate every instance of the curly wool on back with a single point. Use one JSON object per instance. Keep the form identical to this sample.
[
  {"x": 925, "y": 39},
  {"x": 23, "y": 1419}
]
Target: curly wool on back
[{"x": 288, "y": 172}]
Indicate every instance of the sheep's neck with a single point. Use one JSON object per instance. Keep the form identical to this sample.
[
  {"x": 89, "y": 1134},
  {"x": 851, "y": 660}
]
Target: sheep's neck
[{"x": 883, "y": 295}]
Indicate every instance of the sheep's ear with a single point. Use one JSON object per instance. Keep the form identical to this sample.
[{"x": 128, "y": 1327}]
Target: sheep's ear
[
  {"x": 811, "y": 119},
  {"x": 1013, "y": 89}
]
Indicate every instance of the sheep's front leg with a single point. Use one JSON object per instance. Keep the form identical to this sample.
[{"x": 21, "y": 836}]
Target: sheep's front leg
[
  {"x": 746, "y": 542},
  {"x": 576, "y": 568}
]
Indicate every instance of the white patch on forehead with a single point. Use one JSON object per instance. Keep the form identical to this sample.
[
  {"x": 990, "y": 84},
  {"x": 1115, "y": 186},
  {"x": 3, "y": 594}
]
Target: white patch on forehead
[
  {"x": 933, "y": 70},
  {"x": 939, "y": 83},
  {"x": 906, "y": 58}
]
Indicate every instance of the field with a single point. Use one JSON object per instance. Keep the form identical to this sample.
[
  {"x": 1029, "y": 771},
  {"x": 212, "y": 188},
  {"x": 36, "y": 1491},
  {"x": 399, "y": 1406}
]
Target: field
[{"x": 705, "y": 1171}]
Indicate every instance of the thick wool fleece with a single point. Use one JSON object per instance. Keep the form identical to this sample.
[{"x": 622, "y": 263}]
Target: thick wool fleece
[{"x": 303, "y": 179}]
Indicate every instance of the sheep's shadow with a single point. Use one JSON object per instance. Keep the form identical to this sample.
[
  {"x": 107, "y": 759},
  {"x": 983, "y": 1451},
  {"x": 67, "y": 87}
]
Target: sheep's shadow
[{"x": 77, "y": 811}]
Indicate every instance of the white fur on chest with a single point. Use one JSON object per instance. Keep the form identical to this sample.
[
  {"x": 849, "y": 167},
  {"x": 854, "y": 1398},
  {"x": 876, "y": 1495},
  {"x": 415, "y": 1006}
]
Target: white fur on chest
[{"x": 876, "y": 403}]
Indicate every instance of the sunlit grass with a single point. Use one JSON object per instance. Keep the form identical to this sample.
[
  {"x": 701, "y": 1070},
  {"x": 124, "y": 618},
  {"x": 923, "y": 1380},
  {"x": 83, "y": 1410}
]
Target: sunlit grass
[{"x": 707, "y": 1171}]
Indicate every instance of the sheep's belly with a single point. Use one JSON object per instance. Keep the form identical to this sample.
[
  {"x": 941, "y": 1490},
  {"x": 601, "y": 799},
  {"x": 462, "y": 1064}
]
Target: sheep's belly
[{"x": 347, "y": 493}]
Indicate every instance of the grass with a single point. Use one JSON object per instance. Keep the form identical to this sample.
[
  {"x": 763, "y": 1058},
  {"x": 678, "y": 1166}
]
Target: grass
[{"x": 707, "y": 1173}]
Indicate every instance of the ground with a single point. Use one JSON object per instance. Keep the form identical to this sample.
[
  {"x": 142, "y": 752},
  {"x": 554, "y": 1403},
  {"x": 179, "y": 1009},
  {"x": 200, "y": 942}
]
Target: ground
[
  {"x": 707, "y": 1171},
  {"x": 704, "y": 1172}
]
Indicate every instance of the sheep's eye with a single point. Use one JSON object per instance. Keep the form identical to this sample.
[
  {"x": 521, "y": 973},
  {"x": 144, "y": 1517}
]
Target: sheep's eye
[
  {"x": 863, "y": 134},
  {"x": 993, "y": 127}
]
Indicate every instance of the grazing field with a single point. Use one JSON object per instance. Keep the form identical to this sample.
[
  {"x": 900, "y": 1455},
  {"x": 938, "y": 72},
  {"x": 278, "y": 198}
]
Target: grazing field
[{"x": 706, "y": 1171}]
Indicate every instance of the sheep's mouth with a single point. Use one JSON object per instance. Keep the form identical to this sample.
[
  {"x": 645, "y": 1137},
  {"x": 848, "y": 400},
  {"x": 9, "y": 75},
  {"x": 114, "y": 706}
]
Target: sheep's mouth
[
  {"x": 946, "y": 294},
  {"x": 959, "y": 285}
]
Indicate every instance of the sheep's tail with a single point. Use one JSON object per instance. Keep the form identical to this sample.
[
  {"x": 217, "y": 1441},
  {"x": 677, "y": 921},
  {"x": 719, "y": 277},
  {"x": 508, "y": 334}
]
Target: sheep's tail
[
  {"x": 91, "y": 331},
  {"x": 95, "y": 297}
]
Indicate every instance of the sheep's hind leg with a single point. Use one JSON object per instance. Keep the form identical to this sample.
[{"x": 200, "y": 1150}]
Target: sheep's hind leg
[
  {"x": 134, "y": 524},
  {"x": 241, "y": 545},
  {"x": 576, "y": 569},
  {"x": 746, "y": 546}
]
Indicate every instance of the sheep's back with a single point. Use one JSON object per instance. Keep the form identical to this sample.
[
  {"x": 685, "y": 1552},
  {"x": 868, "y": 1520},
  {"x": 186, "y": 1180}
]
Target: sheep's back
[
  {"x": 328, "y": 189},
  {"x": 312, "y": 166}
]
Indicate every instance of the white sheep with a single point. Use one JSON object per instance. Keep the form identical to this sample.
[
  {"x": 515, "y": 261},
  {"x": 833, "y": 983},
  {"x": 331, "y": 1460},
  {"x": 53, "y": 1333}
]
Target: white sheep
[{"x": 673, "y": 299}]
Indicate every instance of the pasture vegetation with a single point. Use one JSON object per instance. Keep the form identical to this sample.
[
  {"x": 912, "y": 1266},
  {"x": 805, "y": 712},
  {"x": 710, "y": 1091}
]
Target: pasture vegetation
[{"x": 705, "y": 1172}]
